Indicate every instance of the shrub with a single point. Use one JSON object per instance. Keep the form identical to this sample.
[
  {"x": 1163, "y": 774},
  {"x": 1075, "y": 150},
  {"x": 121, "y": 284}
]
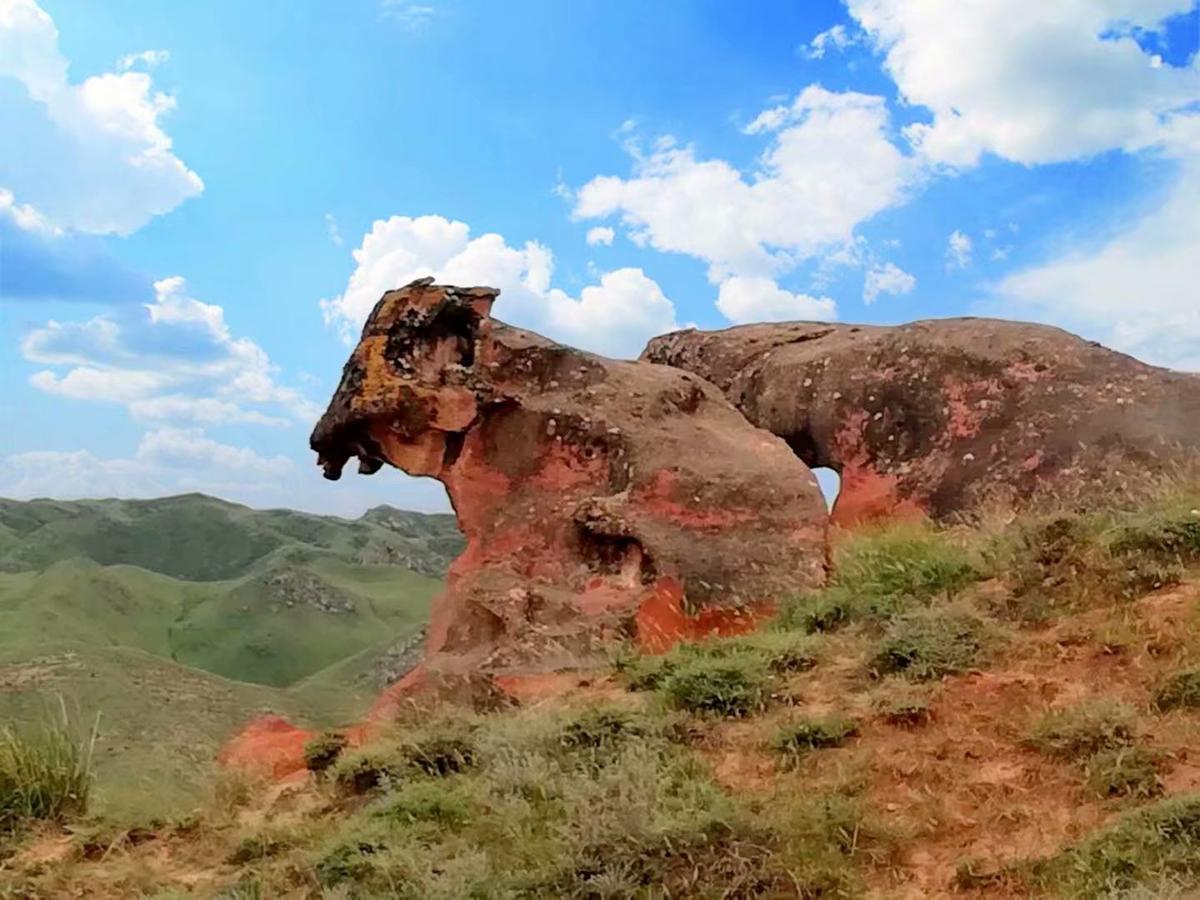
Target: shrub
[
  {"x": 1083, "y": 730},
  {"x": 45, "y": 772},
  {"x": 795, "y": 740},
  {"x": 931, "y": 643},
  {"x": 436, "y": 752},
  {"x": 1124, "y": 772},
  {"x": 731, "y": 687},
  {"x": 603, "y": 730},
  {"x": 323, "y": 751},
  {"x": 1180, "y": 691}
]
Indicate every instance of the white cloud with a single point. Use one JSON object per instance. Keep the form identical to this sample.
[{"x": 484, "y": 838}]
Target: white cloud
[
  {"x": 25, "y": 216},
  {"x": 174, "y": 359},
  {"x": 600, "y": 235},
  {"x": 103, "y": 162},
  {"x": 828, "y": 167},
  {"x": 167, "y": 460},
  {"x": 836, "y": 37},
  {"x": 412, "y": 16},
  {"x": 332, "y": 229},
  {"x": 1137, "y": 292},
  {"x": 148, "y": 58},
  {"x": 887, "y": 279},
  {"x": 751, "y": 299},
  {"x": 615, "y": 317},
  {"x": 1031, "y": 81},
  {"x": 958, "y": 250}
]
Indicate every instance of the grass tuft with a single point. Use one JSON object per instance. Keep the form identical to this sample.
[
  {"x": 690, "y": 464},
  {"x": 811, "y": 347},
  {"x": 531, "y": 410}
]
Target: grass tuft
[
  {"x": 1124, "y": 772},
  {"x": 931, "y": 643},
  {"x": 1179, "y": 691},
  {"x": 1082, "y": 731},
  {"x": 883, "y": 573},
  {"x": 45, "y": 772},
  {"x": 796, "y": 740},
  {"x": 732, "y": 687}
]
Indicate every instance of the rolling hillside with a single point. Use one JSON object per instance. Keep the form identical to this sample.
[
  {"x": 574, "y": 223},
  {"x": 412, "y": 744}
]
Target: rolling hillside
[{"x": 181, "y": 618}]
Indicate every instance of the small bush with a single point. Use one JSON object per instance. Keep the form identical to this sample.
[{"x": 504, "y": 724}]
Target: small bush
[
  {"x": 931, "y": 643},
  {"x": 819, "y": 611},
  {"x": 905, "y": 705},
  {"x": 1180, "y": 691},
  {"x": 795, "y": 740},
  {"x": 1154, "y": 845},
  {"x": 323, "y": 751},
  {"x": 1083, "y": 731},
  {"x": 45, "y": 772},
  {"x": 1124, "y": 772},
  {"x": 350, "y": 861},
  {"x": 437, "y": 752},
  {"x": 729, "y": 687}
]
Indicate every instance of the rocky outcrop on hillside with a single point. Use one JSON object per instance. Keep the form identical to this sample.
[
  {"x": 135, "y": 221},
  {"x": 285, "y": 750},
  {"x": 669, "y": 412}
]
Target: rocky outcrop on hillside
[
  {"x": 598, "y": 498},
  {"x": 939, "y": 417}
]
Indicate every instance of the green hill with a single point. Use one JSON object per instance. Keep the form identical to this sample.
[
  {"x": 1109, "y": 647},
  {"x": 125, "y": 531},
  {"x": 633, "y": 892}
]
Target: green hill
[
  {"x": 201, "y": 538},
  {"x": 182, "y": 618}
]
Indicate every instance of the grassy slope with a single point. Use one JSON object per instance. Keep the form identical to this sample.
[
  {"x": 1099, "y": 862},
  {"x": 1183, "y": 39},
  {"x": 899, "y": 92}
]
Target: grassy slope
[
  {"x": 161, "y": 723},
  {"x": 1003, "y": 712}
]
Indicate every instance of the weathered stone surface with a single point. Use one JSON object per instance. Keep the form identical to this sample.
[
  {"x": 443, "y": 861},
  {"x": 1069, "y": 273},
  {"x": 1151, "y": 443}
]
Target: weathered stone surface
[
  {"x": 598, "y": 498},
  {"x": 940, "y": 416}
]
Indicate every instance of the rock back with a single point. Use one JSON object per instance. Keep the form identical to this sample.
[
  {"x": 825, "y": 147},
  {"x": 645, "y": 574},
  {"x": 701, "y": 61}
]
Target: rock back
[{"x": 939, "y": 417}]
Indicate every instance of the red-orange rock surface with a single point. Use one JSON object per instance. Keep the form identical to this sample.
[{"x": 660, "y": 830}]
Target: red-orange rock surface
[
  {"x": 599, "y": 498},
  {"x": 937, "y": 417}
]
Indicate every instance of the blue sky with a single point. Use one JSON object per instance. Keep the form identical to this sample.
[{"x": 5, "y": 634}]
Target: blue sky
[{"x": 200, "y": 202}]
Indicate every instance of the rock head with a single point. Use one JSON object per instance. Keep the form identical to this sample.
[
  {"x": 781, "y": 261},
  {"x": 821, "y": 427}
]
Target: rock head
[
  {"x": 939, "y": 417},
  {"x": 600, "y": 499}
]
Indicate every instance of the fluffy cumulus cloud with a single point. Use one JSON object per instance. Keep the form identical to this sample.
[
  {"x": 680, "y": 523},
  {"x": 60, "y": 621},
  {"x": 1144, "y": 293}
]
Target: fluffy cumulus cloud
[
  {"x": 104, "y": 164},
  {"x": 1030, "y": 81},
  {"x": 886, "y": 279},
  {"x": 829, "y": 166},
  {"x": 172, "y": 359},
  {"x": 614, "y": 317},
  {"x": 167, "y": 461},
  {"x": 752, "y": 299}
]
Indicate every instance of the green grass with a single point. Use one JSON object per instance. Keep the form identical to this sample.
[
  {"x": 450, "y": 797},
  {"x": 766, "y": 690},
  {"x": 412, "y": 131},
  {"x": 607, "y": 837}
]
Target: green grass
[
  {"x": 797, "y": 739},
  {"x": 1081, "y": 731},
  {"x": 45, "y": 772},
  {"x": 930, "y": 643},
  {"x": 883, "y": 573},
  {"x": 1124, "y": 772},
  {"x": 1151, "y": 848},
  {"x": 590, "y": 803},
  {"x": 732, "y": 687},
  {"x": 1179, "y": 691}
]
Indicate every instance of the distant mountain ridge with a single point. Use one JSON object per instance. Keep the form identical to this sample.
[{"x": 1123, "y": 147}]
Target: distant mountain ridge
[{"x": 201, "y": 538}]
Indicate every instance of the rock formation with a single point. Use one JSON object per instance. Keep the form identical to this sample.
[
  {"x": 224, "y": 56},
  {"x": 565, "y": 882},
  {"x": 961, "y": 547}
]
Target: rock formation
[
  {"x": 598, "y": 498},
  {"x": 938, "y": 417}
]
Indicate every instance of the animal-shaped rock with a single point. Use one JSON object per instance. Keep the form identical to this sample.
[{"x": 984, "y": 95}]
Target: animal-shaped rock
[
  {"x": 939, "y": 417},
  {"x": 599, "y": 498}
]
